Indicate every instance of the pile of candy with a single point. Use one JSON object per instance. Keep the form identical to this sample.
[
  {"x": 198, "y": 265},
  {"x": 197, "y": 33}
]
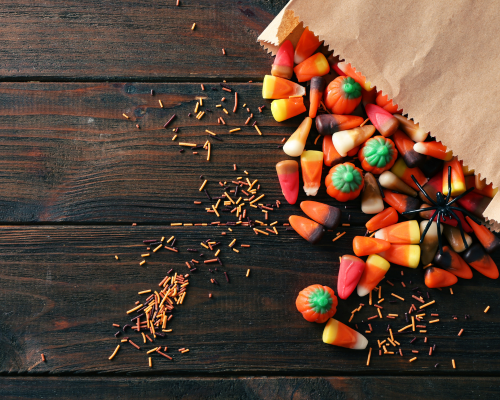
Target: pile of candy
[{"x": 393, "y": 162}]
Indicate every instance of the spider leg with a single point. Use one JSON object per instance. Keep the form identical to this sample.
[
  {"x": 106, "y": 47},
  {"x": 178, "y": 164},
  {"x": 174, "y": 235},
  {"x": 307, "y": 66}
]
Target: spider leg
[
  {"x": 461, "y": 229},
  {"x": 419, "y": 210},
  {"x": 472, "y": 217},
  {"x": 423, "y": 191},
  {"x": 461, "y": 195},
  {"x": 427, "y": 227},
  {"x": 449, "y": 184},
  {"x": 439, "y": 232}
]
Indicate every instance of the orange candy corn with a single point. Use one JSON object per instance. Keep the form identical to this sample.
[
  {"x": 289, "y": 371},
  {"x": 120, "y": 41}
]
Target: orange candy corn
[
  {"x": 347, "y": 69},
  {"x": 452, "y": 262},
  {"x": 487, "y": 238},
  {"x": 406, "y": 255},
  {"x": 407, "y": 232},
  {"x": 478, "y": 259},
  {"x": 339, "y": 334},
  {"x": 328, "y": 124},
  {"x": 405, "y": 147},
  {"x": 311, "y": 162},
  {"x": 375, "y": 270},
  {"x": 411, "y": 129},
  {"x": 474, "y": 203},
  {"x": 307, "y": 45},
  {"x": 350, "y": 271},
  {"x": 323, "y": 214},
  {"x": 383, "y": 101},
  {"x": 316, "y": 65},
  {"x": 287, "y": 108},
  {"x": 274, "y": 87},
  {"x": 401, "y": 170},
  {"x": 433, "y": 149},
  {"x": 331, "y": 156},
  {"x": 385, "y": 218},
  {"x": 295, "y": 144},
  {"x": 457, "y": 178},
  {"x": 283, "y": 63},
  {"x": 480, "y": 186},
  {"x": 309, "y": 230},
  {"x": 316, "y": 90},
  {"x": 364, "y": 246},
  {"x": 437, "y": 278},
  {"x": 401, "y": 202}
]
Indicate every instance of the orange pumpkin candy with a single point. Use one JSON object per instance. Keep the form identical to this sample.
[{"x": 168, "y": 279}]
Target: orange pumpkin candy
[
  {"x": 317, "y": 303},
  {"x": 344, "y": 182},
  {"x": 342, "y": 95}
]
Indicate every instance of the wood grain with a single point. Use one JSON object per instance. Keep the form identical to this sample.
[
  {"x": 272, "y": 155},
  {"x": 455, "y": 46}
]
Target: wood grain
[
  {"x": 62, "y": 290},
  {"x": 250, "y": 388},
  {"x": 117, "y": 40}
]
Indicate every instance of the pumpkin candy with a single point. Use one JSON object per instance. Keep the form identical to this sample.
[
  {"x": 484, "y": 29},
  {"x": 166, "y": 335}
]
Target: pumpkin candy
[
  {"x": 342, "y": 95},
  {"x": 344, "y": 182},
  {"x": 317, "y": 303},
  {"x": 377, "y": 155}
]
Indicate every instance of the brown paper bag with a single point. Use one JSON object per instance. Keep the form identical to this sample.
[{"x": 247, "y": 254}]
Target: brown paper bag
[{"x": 438, "y": 60}]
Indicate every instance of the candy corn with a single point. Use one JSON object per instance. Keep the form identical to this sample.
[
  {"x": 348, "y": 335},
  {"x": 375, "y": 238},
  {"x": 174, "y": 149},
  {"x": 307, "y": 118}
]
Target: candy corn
[
  {"x": 371, "y": 199},
  {"x": 316, "y": 65},
  {"x": 466, "y": 170},
  {"x": 411, "y": 129},
  {"x": 274, "y": 87},
  {"x": 433, "y": 149},
  {"x": 401, "y": 202},
  {"x": 295, "y": 144},
  {"x": 431, "y": 166},
  {"x": 288, "y": 175},
  {"x": 457, "y": 178},
  {"x": 385, "y": 218},
  {"x": 287, "y": 108},
  {"x": 331, "y": 156},
  {"x": 406, "y": 255},
  {"x": 407, "y": 232},
  {"x": 401, "y": 170},
  {"x": 317, "y": 88},
  {"x": 383, "y": 121},
  {"x": 348, "y": 140},
  {"x": 433, "y": 185},
  {"x": 323, "y": 214},
  {"x": 283, "y": 63},
  {"x": 350, "y": 271},
  {"x": 437, "y": 278},
  {"x": 342, "y": 95},
  {"x": 478, "y": 259},
  {"x": 487, "y": 238},
  {"x": 452, "y": 262},
  {"x": 375, "y": 270},
  {"x": 348, "y": 70},
  {"x": 328, "y": 124},
  {"x": 309, "y": 230},
  {"x": 430, "y": 244},
  {"x": 368, "y": 96},
  {"x": 454, "y": 238},
  {"x": 474, "y": 203},
  {"x": 339, "y": 334},
  {"x": 480, "y": 186},
  {"x": 390, "y": 181},
  {"x": 364, "y": 246},
  {"x": 382, "y": 100},
  {"x": 307, "y": 45},
  {"x": 405, "y": 147},
  {"x": 311, "y": 162}
]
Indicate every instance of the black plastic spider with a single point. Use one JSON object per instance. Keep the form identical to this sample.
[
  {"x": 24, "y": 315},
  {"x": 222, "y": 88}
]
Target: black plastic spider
[{"x": 443, "y": 209}]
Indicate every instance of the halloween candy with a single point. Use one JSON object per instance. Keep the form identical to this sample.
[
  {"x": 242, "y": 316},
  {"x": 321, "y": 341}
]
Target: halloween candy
[
  {"x": 344, "y": 182},
  {"x": 433, "y": 185},
  {"x": 371, "y": 199},
  {"x": 274, "y": 87},
  {"x": 287, "y": 108},
  {"x": 431, "y": 166},
  {"x": 323, "y": 214},
  {"x": 385, "y": 218},
  {"x": 401, "y": 170},
  {"x": 375, "y": 270},
  {"x": 429, "y": 245},
  {"x": 478, "y": 259},
  {"x": 307, "y": 45},
  {"x": 311, "y": 162},
  {"x": 283, "y": 62},
  {"x": 342, "y": 95},
  {"x": 348, "y": 70},
  {"x": 288, "y": 175},
  {"x": 317, "y": 88},
  {"x": 309, "y": 230},
  {"x": 401, "y": 202},
  {"x": 328, "y": 124},
  {"x": 437, "y": 278},
  {"x": 407, "y": 232},
  {"x": 316, "y": 65},
  {"x": 390, "y": 181},
  {"x": 405, "y": 146},
  {"x": 448, "y": 221},
  {"x": 454, "y": 238},
  {"x": 295, "y": 144},
  {"x": 384, "y": 121},
  {"x": 480, "y": 186},
  {"x": 330, "y": 154},
  {"x": 365, "y": 246},
  {"x": 411, "y": 129},
  {"x": 377, "y": 155},
  {"x": 474, "y": 203},
  {"x": 457, "y": 178},
  {"x": 433, "y": 149},
  {"x": 317, "y": 303},
  {"x": 382, "y": 100},
  {"x": 406, "y": 255},
  {"x": 350, "y": 271},
  {"x": 487, "y": 238},
  {"x": 452, "y": 262},
  {"x": 339, "y": 334},
  {"x": 344, "y": 141}
]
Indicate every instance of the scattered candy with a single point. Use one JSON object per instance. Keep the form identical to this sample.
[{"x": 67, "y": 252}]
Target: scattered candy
[
  {"x": 309, "y": 230},
  {"x": 339, "y": 334},
  {"x": 401, "y": 202},
  {"x": 365, "y": 246},
  {"x": 330, "y": 154},
  {"x": 311, "y": 162},
  {"x": 274, "y": 87},
  {"x": 328, "y": 124},
  {"x": 474, "y": 203},
  {"x": 407, "y": 232},
  {"x": 288, "y": 175},
  {"x": 317, "y": 303},
  {"x": 385, "y": 218},
  {"x": 342, "y": 95},
  {"x": 348, "y": 70},
  {"x": 487, "y": 238},
  {"x": 323, "y": 214},
  {"x": 371, "y": 199},
  {"x": 478, "y": 259},
  {"x": 384, "y": 121},
  {"x": 406, "y": 255},
  {"x": 375, "y": 270},
  {"x": 377, "y": 155},
  {"x": 345, "y": 141},
  {"x": 317, "y": 87},
  {"x": 405, "y": 146},
  {"x": 390, "y": 181},
  {"x": 283, "y": 62},
  {"x": 350, "y": 271},
  {"x": 433, "y": 149},
  {"x": 344, "y": 182},
  {"x": 454, "y": 238},
  {"x": 383, "y": 101},
  {"x": 402, "y": 171},
  {"x": 295, "y": 144},
  {"x": 307, "y": 45},
  {"x": 316, "y": 65},
  {"x": 452, "y": 262},
  {"x": 430, "y": 244},
  {"x": 287, "y": 108},
  {"x": 480, "y": 186},
  {"x": 437, "y": 278},
  {"x": 411, "y": 129},
  {"x": 457, "y": 178}
]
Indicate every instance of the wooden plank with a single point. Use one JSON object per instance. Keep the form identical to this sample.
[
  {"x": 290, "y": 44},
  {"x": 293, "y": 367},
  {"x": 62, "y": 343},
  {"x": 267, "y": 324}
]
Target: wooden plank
[
  {"x": 68, "y": 154},
  {"x": 251, "y": 388},
  {"x": 113, "y": 40},
  {"x": 61, "y": 290}
]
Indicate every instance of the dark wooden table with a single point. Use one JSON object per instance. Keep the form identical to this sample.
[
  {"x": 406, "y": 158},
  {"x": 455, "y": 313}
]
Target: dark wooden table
[{"x": 75, "y": 175}]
